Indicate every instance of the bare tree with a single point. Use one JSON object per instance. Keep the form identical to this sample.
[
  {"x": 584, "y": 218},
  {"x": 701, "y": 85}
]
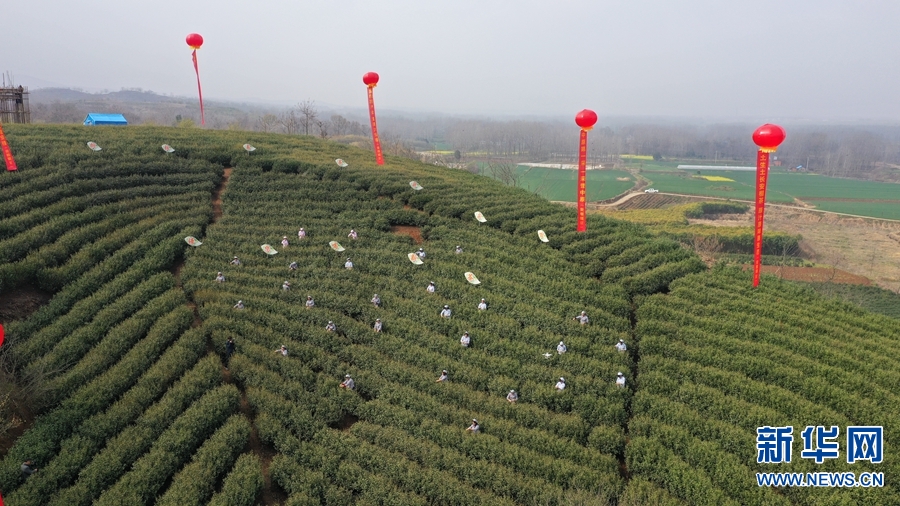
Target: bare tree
[
  {"x": 290, "y": 122},
  {"x": 393, "y": 145},
  {"x": 503, "y": 171},
  {"x": 266, "y": 122},
  {"x": 60, "y": 112},
  {"x": 339, "y": 125},
  {"x": 23, "y": 392},
  {"x": 837, "y": 260},
  {"x": 323, "y": 126},
  {"x": 789, "y": 249},
  {"x": 706, "y": 247},
  {"x": 357, "y": 128},
  {"x": 308, "y": 115}
]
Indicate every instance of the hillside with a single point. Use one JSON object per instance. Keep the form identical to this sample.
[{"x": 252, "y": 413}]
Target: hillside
[{"x": 139, "y": 407}]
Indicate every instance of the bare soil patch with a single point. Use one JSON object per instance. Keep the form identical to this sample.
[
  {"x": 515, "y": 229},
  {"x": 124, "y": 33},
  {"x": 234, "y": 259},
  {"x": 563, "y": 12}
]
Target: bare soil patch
[
  {"x": 413, "y": 232},
  {"x": 860, "y": 246},
  {"x": 815, "y": 274},
  {"x": 271, "y": 493},
  {"x": 20, "y": 303},
  {"x": 22, "y": 421},
  {"x": 217, "y": 195},
  {"x": 866, "y": 247}
]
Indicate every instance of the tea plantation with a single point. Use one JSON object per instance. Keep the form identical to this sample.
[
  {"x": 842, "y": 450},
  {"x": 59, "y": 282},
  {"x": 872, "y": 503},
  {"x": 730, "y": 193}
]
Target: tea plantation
[{"x": 144, "y": 405}]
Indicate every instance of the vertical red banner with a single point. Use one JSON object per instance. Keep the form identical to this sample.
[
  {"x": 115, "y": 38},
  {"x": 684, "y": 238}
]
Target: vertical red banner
[
  {"x": 199, "y": 90},
  {"x": 7, "y": 156},
  {"x": 378, "y": 156},
  {"x": 762, "y": 174},
  {"x": 582, "y": 183}
]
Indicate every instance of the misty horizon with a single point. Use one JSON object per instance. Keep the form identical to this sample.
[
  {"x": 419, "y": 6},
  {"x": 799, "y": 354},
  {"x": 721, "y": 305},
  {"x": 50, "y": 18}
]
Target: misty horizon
[{"x": 815, "y": 61}]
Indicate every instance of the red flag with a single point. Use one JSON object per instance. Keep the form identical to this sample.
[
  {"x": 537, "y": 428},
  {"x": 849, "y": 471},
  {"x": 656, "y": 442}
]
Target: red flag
[
  {"x": 10, "y": 162},
  {"x": 762, "y": 174},
  {"x": 199, "y": 90}
]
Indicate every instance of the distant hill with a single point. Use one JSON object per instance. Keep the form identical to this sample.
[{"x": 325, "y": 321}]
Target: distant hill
[
  {"x": 48, "y": 95},
  {"x": 66, "y": 105}
]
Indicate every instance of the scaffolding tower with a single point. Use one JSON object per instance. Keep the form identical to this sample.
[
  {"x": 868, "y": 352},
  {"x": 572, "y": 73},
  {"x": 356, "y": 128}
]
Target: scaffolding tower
[{"x": 14, "y": 105}]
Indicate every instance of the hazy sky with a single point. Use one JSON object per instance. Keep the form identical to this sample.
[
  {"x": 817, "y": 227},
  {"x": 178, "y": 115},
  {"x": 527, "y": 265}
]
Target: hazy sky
[{"x": 803, "y": 59}]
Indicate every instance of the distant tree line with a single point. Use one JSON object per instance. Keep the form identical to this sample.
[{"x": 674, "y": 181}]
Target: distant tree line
[
  {"x": 832, "y": 150},
  {"x": 869, "y": 152}
]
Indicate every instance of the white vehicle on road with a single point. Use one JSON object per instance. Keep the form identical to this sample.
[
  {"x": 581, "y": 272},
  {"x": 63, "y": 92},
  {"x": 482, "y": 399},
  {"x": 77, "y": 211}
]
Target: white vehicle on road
[{"x": 651, "y": 190}]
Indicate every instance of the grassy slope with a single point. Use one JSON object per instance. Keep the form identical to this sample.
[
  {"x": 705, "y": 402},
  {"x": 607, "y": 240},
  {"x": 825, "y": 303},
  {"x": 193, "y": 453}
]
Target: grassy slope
[{"x": 712, "y": 359}]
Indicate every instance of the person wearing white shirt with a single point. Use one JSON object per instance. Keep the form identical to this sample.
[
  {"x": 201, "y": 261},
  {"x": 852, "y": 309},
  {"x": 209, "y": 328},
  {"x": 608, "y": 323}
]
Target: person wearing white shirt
[
  {"x": 286, "y": 285},
  {"x": 561, "y": 348},
  {"x": 443, "y": 377},
  {"x": 220, "y": 278},
  {"x": 621, "y": 346},
  {"x": 284, "y": 241},
  {"x": 309, "y": 302},
  {"x": 421, "y": 253},
  {"x": 620, "y": 380},
  {"x": 512, "y": 396},
  {"x": 348, "y": 383},
  {"x": 430, "y": 287},
  {"x": 353, "y": 234},
  {"x": 474, "y": 428},
  {"x": 293, "y": 266},
  {"x": 582, "y": 318},
  {"x": 331, "y": 327},
  {"x": 560, "y": 385},
  {"x": 348, "y": 264},
  {"x": 377, "y": 325},
  {"x": 445, "y": 313},
  {"x": 235, "y": 261},
  {"x": 301, "y": 233},
  {"x": 239, "y": 305},
  {"x": 283, "y": 350},
  {"x": 458, "y": 250},
  {"x": 465, "y": 340},
  {"x": 482, "y": 306},
  {"x": 376, "y": 300}
]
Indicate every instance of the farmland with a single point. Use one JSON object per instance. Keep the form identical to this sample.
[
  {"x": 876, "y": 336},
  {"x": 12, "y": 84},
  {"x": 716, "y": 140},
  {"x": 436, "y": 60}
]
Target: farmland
[
  {"x": 559, "y": 184},
  {"x": 863, "y": 198},
  {"x": 839, "y": 195},
  {"x": 144, "y": 406}
]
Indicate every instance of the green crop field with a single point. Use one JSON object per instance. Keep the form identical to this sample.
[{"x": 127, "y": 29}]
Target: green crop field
[
  {"x": 141, "y": 404},
  {"x": 865, "y": 198},
  {"x": 887, "y": 210},
  {"x": 560, "y": 184}
]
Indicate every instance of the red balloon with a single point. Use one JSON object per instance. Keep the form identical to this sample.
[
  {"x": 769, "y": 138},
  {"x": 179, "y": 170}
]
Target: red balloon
[
  {"x": 768, "y": 136},
  {"x": 370, "y": 78},
  {"x": 586, "y": 118},
  {"x": 195, "y": 40}
]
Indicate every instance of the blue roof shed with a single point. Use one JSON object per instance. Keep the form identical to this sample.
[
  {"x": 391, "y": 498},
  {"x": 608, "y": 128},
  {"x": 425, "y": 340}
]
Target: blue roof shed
[{"x": 104, "y": 119}]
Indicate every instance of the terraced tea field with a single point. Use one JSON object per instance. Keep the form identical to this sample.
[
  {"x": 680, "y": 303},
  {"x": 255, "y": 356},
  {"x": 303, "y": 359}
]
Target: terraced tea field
[{"x": 144, "y": 404}]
